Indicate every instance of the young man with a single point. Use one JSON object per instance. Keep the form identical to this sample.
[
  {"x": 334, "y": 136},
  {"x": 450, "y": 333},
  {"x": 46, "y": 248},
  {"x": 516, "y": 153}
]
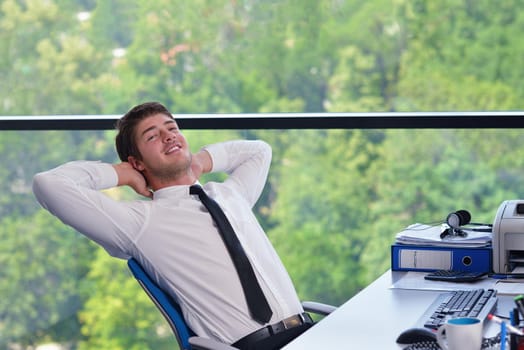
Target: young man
[{"x": 173, "y": 235}]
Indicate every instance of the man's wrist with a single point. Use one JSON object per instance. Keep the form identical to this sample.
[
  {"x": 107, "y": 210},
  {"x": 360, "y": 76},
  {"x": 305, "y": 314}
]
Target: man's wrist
[
  {"x": 124, "y": 172},
  {"x": 203, "y": 162}
]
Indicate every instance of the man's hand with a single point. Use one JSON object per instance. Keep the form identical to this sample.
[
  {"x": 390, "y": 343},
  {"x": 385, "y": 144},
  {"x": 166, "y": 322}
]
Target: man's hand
[{"x": 129, "y": 176}]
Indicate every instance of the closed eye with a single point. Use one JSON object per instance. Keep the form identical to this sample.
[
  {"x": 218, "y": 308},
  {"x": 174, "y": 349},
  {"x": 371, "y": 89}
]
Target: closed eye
[{"x": 151, "y": 137}]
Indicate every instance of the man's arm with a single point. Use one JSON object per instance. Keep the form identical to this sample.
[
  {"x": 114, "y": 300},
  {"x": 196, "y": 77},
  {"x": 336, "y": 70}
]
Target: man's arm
[
  {"x": 129, "y": 176},
  {"x": 72, "y": 192},
  {"x": 247, "y": 164}
]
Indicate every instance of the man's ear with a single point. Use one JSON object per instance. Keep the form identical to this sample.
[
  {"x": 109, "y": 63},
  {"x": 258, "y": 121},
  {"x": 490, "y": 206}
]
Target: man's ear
[{"x": 135, "y": 163}]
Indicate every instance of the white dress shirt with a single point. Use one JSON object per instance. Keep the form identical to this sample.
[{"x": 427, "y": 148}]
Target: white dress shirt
[{"x": 175, "y": 239}]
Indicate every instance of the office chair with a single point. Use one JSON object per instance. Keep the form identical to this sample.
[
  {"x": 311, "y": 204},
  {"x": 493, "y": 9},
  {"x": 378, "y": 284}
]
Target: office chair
[{"x": 168, "y": 306}]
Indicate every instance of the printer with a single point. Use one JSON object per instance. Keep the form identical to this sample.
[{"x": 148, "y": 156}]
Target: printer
[{"x": 508, "y": 238}]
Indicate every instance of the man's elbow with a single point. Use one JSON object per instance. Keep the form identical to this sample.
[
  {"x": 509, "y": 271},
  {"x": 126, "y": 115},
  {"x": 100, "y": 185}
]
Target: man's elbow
[
  {"x": 266, "y": 148},
  {"x": 42, "y": 185}
]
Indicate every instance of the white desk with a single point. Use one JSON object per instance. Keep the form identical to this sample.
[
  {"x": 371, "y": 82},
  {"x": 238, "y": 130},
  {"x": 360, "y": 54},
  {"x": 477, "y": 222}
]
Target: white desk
[{"x": 374, "y": 318}]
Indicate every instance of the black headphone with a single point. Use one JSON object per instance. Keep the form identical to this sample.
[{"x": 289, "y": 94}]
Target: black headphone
[{"x": 458, "y": 218}]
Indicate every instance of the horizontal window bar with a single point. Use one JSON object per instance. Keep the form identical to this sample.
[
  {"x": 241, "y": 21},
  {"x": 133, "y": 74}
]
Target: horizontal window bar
[{"x": 468, "y": 120}]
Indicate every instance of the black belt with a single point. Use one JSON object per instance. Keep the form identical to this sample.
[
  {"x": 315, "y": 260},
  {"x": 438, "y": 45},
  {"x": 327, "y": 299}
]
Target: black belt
[{"x": 276, "y": 328}]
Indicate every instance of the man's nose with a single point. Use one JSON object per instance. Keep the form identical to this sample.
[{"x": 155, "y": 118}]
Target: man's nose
[{"x": 168, "y": 136}]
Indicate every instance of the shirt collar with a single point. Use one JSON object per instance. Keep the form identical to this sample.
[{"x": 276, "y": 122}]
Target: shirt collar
[{"x": 173, "y": 191}]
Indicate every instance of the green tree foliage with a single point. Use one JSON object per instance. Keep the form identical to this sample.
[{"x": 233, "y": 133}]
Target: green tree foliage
[
  {"x": 47, "y": 66},
  {"x": 473, "y": 40},
  {"x": 323, "y": 216},
  {"x": 369, "y": 50},
  {"x": 118, "y": 315},
  {"x": 43, "y": 263}
]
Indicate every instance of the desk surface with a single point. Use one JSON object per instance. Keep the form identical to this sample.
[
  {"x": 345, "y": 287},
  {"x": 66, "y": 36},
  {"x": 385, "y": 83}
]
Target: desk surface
[{"x": 374, "y": 318}]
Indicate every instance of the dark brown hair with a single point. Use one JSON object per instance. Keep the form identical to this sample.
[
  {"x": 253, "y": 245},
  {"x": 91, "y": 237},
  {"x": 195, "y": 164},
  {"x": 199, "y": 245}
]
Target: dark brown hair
[{"x": 125, "y": 139}]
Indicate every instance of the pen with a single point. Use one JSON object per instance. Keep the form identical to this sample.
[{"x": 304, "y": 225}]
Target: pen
[
  {"x": 519, "y": 300},
  {"x": 503, "y": 336},
  {"x": 513, "y": 317},
  {"x": 508, "y": 326}
]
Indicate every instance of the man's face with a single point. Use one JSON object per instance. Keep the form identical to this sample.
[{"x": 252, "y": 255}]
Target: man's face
[{"x": 164, "y": 150}]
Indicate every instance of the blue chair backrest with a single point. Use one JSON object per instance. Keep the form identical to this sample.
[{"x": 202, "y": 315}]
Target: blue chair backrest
[{"x": 165, "y": 303}]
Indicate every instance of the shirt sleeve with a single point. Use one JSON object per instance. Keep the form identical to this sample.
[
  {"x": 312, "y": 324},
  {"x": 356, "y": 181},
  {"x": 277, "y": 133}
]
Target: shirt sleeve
[
  {"x": 72, "y": 192},
  {"x": 247, "y": 164}
]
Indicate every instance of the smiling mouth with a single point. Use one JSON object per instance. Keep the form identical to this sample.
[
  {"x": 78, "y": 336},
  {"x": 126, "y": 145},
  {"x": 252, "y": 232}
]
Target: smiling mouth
[{"x": 173, "y": 148}]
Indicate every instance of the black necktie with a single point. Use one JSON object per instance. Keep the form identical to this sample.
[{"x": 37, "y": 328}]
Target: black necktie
[{"x": 256, "y": 301}]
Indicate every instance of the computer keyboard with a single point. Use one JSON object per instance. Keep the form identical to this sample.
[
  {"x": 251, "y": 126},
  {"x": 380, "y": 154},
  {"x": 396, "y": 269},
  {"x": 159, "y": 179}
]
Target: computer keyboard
[
  {"x": 455, "y": 276},
  {"x": 459, "y": 303}
]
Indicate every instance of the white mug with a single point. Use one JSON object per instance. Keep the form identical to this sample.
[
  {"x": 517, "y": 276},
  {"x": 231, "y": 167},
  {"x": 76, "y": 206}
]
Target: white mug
[{"x": 462, "y": 333}]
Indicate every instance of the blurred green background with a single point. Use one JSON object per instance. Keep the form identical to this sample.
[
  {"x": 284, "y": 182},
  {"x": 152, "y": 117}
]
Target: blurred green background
[{"x": 335, "y": 198}]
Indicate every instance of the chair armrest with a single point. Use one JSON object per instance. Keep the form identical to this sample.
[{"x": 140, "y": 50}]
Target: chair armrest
[
  {"x": 318, "y": 308},
  {"x": 200, "y": 343}
]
